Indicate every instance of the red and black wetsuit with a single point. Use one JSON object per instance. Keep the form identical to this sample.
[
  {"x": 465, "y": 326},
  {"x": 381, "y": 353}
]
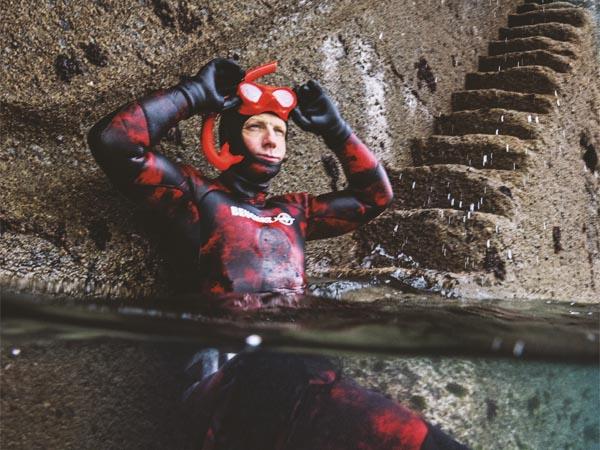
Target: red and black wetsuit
[
  {"x": 272, "y": 401},
  {"x": 237, "y": 238}
]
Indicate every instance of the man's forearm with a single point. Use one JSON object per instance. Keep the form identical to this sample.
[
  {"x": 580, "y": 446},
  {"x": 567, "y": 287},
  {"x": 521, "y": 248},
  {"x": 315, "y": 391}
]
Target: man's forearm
[
  {"x": 141, "y": 123},
  {"x": 367, "y": 178},
  {"x": 163, "y": 110},
  {"x": 120, "y": 143},
  {"x": 368, "y": 194}
]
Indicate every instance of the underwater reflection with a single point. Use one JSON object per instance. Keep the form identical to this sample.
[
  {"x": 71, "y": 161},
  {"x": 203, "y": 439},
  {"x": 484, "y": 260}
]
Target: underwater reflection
[
  {"x": 268, "y": 400},
  {"x": 117, "y": 372}
]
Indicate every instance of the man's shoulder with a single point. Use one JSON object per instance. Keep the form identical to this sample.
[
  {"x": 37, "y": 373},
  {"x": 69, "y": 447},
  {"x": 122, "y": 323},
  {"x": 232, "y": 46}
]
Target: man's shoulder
[{"x": 199, "y": 183}]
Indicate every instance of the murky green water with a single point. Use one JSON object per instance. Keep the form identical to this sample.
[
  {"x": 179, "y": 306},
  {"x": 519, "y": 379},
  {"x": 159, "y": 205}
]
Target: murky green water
[{"x": 495, "y": 374}]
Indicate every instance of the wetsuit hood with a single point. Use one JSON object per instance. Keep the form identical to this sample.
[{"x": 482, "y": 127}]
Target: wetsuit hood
[{"x": 251, "y": 174}]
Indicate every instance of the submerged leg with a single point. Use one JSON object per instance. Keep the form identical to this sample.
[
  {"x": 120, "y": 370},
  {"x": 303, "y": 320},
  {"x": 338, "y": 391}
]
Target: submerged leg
[{"x": 263, "y": 400}]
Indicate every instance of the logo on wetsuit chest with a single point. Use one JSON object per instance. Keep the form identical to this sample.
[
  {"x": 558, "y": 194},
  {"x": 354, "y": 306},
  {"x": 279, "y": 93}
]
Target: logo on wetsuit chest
[{"x": 283, "y": 218}]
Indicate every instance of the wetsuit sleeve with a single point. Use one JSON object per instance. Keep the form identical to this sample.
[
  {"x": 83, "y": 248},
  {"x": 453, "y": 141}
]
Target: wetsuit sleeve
[
  {"x": 121, "y": 142},
  {"x": 368, "y": 194}
]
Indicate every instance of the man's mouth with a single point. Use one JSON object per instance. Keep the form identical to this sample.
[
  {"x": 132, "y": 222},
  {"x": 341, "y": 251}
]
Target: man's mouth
[{"x": 269, "y": 158}]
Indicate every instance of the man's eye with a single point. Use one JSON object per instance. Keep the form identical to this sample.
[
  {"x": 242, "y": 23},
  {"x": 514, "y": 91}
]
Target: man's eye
[{"x": 279, "y": 132}]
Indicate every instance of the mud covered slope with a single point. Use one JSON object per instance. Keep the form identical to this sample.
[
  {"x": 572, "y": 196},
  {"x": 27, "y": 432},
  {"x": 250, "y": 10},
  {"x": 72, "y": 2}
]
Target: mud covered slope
[{"x": 397, "y": 70}]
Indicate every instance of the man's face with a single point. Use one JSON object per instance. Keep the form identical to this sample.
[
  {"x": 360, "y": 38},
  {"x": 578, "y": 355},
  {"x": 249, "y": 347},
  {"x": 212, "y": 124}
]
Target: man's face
[{"x": 264, "y": 137}]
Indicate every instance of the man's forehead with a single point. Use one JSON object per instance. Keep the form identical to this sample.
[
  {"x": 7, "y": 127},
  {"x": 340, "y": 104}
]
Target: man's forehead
[{"x": 268, "y": 118}]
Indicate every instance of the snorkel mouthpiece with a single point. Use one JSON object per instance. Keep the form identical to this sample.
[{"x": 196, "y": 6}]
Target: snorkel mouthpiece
[{"x": 255, "y": 99}]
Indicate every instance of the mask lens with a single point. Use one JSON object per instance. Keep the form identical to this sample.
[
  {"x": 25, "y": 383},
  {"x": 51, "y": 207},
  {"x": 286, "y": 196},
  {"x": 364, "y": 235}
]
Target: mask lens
[
  {"x": 250, "y": 92},
  {"x": 284, "y": 97}
]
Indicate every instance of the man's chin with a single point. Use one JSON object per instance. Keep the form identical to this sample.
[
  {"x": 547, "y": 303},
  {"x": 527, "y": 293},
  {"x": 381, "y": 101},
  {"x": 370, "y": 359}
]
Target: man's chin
[{"x": 264, "y": 167}]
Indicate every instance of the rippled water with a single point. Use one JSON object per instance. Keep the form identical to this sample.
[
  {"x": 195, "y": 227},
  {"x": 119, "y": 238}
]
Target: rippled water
[{"x": 494, "y": 374}]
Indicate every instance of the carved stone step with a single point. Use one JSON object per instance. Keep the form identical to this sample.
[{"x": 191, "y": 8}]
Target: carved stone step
[
  {"x": 453, "y": 186},
  {"x": 528, "y": 79},
  {"x": 491, "y": 121},
  {"x": 532, "y": 43},
  {"x": 530, "y": 58},
  {"x": 481, "y": 151},
  {"x": 496, "y": 98},
  {"x": 441, "y": 239},
  {"x": 556, "y": 31},
  {"x": 543, "y": 6},
  {"x": 548, "y": 2},
  {"x": 573, "y": 16}
]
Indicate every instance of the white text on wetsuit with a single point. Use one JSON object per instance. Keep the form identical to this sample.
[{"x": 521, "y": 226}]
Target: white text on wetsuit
[{"x": 283, "y": 218}]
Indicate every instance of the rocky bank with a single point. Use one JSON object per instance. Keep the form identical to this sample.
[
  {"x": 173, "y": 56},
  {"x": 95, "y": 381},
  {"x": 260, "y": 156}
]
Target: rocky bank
[{"x": 439, "y": 89}]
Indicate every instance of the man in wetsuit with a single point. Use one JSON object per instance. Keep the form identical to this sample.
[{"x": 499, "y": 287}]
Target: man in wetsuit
[
  {"x": 235, "y": 237},
  {"x": 240, "y": 241}
]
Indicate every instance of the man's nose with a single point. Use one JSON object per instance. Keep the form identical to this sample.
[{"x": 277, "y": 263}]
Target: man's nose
[{"x": 269, "y": 138}]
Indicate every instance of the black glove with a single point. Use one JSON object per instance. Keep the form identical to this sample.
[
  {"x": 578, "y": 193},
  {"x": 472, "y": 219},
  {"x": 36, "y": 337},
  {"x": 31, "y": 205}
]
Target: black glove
[
  {"x": 317, "y": 113},
  {"x": 206, "y": 91}
]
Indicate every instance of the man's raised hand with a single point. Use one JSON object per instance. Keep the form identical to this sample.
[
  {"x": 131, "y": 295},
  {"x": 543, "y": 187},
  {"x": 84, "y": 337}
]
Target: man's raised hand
[
  {"x": 213, "y": 88},
  {"x": 317, "y": 113}
]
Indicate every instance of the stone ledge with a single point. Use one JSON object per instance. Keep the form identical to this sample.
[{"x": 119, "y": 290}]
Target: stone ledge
[
  {"x": 438, "y": 239},
  {"x": 481, "y": 151},
  {"x": 497, "y": 98},
  {"x": 529, "y": 58},
  {"x": 527, "y": 7},
  {"x": 556, "y": 31},
  {"x": 572, "y": 16},
  {"x": 453, "y": 186},
  {"x": 548, "y": 2},
  {"x": 532, "y": 43},
  {"x": 529, "y": 79},
  {"x": 494, "y": 121}
]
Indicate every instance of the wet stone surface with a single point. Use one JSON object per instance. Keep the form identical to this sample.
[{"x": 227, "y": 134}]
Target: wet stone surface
[
  {"x": 66, "y": 67},
  {"x": 94, "y": 54}
]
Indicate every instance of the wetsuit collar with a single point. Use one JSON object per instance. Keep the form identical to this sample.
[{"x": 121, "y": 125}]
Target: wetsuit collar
[{"x": 240, "y": 185}]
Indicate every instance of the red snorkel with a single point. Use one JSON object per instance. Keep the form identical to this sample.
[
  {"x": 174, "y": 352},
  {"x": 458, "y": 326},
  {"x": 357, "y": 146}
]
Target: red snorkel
[
  {"x": 261, "y": 71},
  {"x": 255, "y": 100}
]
